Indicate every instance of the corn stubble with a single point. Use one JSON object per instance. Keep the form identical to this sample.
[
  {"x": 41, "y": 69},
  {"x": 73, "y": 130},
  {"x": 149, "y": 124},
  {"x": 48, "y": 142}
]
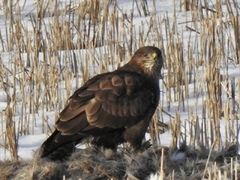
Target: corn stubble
[{"x": 51, "y": 58}]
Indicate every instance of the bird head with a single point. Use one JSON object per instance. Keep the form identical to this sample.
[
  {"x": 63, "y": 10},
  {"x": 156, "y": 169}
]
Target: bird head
[{"x": 148, "y": 60}]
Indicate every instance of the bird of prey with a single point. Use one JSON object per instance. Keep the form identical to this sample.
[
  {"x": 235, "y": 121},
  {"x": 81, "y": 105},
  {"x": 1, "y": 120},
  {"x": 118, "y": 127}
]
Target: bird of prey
[{"x": 111, "y": 108}]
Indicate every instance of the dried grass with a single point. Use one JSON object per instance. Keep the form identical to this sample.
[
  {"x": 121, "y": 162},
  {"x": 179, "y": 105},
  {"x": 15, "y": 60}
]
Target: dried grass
[{"x": 165, "y": 163}]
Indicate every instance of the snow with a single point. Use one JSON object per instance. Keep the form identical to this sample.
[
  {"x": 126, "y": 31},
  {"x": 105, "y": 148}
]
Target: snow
[
  {"x": 28, "y": 145},
  {"x": 29, "y": 142}
]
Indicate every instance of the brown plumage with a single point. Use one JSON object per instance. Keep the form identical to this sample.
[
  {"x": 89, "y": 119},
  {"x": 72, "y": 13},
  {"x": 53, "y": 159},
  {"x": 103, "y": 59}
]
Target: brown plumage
[{"x": 112, "y": 107}]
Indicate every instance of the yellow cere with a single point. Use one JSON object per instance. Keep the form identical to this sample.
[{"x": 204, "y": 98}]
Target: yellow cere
[{"x": 154, "y": 55}]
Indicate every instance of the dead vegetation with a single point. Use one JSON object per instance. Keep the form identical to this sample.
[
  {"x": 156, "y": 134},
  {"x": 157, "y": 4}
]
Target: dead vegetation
[
  {"x": 47, "y": 53},
  {"x": 90, "y": 163}
]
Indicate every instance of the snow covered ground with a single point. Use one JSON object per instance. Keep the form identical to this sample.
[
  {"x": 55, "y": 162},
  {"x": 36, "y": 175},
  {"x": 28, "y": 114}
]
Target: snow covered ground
[{"x": 171, "y": 19}]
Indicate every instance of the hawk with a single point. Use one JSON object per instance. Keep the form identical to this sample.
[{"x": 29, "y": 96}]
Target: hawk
[{"x": 111, "y": 108}]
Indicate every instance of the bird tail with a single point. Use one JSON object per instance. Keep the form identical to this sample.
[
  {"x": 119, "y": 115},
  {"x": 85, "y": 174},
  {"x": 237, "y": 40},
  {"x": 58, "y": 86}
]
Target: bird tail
[{"x": 58, "y": 147}]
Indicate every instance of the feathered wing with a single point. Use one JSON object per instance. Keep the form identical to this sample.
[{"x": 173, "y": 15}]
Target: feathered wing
[
  {"x": 114, "y": 100},
  {"x": 107, "y": 103}
]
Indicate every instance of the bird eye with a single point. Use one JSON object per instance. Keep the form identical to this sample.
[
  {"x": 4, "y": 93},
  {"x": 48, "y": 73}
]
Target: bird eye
[{"x": 145, "y": 55}]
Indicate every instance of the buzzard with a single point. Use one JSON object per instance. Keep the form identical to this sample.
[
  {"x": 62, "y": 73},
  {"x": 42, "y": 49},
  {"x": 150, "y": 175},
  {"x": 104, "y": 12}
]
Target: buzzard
[{"x": 111, "y": 108}]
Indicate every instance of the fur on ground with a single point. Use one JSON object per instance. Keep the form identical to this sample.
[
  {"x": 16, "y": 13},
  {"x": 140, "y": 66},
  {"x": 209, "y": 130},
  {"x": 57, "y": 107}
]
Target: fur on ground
[{"x": 91, "y": 163}]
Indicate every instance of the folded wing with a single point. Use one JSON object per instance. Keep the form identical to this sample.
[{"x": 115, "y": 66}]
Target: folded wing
[{"x": 112, "y": 100}]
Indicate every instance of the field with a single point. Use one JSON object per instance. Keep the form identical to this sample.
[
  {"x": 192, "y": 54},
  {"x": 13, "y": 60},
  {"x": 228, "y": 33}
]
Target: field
[{"x": 49, "y": 48}]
